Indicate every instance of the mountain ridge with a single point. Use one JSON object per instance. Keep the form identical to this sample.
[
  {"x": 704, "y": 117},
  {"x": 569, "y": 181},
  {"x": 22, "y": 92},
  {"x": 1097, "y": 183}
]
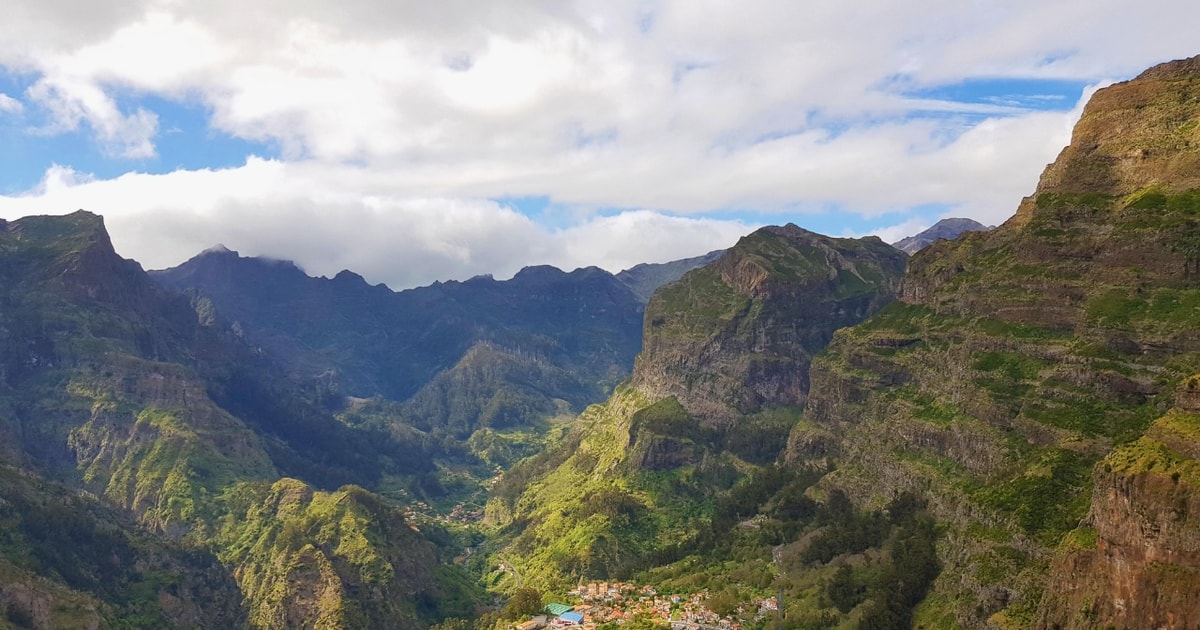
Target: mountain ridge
[{"x": 1015, "y": 360}]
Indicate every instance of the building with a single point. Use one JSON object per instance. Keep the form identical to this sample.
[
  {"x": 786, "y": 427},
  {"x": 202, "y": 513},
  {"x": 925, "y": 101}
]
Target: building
[{"x": 571, "y": 618}]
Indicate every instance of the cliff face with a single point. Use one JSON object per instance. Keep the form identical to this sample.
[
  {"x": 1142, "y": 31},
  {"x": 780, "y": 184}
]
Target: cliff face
[
  {"x": 737, "y": 335},
  {"x": 1135, "y": 560},
  {"x": 1016, "y": 359}
]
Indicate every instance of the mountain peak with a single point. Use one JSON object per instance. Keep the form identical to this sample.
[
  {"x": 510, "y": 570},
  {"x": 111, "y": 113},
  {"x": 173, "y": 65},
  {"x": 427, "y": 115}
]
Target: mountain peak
[
  {"x": 59, "y": 229},
  {"x": 1139, "y": 133},
  {"x": 220, "y": 250},
  {"x": 948, "y": 229},
  {"x": 346, "y": 276},
  {"x": 711, "y": 341},
  {"x": 539, "y": 272}
]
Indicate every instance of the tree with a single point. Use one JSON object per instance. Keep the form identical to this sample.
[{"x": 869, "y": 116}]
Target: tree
[
  {"x": 525, "y": 602},
  {"x": 453, "y": 623},
  {"x": 844, "y": 590},
  {"x": 724, "y": 602}
]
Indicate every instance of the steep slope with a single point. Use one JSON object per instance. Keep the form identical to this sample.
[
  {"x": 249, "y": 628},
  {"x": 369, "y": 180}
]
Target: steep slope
[
  {"x": 948, "y": 229},
  {"x": 69, "y": 561},
  {"x": 646, "y": 278},
  {"x": 738, "y": 334},
  {"x": 112, "y": 388},
  {"x": 364, "y": 341},
  {"x": 1017, "y": 359},
  {"x": 715, "y": 391},
  {"x": 1135, "y": 559}
]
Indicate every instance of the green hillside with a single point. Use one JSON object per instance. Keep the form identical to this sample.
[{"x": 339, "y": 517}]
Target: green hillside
[
  {"x": 140, "y": 452},
  {"x": 640, "y": 481}
]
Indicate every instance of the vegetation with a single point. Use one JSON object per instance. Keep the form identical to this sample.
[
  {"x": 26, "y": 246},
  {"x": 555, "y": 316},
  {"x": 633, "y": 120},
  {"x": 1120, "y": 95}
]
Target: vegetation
[{"x": 935, "y": 465}]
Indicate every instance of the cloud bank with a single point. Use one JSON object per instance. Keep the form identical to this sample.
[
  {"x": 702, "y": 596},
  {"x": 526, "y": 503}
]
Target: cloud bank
[{"x": 391, "y": 132}]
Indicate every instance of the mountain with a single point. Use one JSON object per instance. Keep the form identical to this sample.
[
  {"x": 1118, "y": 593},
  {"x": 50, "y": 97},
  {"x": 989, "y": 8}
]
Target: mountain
[
  {"x": 948, "y": 229},
  {"x": 459, "y": 355},
  {"x": 152, "y": 464},
  {"x": 1023, "y": 384},
  {"x": 998, "y": 432},
  {"x": 716, "y": 388},
  {"x": 646, "y": 278},
  {"x": 737, "y": 335}
]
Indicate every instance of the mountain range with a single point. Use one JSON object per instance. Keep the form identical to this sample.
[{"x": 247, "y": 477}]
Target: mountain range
[{"x": 999, "y": 431}]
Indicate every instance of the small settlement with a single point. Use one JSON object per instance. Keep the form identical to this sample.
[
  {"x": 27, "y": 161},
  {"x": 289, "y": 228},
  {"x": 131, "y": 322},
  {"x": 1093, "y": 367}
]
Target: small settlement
[{"x": 620, "y": 602}]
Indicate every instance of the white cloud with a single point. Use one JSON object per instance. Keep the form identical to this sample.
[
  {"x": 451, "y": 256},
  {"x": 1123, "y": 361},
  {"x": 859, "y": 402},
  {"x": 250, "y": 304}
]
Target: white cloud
[
  {"x": 304, "y": 212},
  {"x": 71, "y": 102},
  {"x": 400, "y": 117},
  {"x": 10, "y": 105}
]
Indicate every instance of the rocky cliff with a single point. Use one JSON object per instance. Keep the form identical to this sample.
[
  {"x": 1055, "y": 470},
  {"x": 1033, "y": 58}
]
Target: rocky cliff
[
  {"x": 1135, "y": 559},
  {"x": 1017, "y": 359},
  {"x": 737, "y": 335}
]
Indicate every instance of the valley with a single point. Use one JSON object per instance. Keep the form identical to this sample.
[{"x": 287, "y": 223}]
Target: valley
[{"x": 801, "y": 431}]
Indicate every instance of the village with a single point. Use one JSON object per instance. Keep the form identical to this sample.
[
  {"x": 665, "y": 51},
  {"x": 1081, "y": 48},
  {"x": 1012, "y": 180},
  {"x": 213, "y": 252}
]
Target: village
[{"x": 599, "y": 603}]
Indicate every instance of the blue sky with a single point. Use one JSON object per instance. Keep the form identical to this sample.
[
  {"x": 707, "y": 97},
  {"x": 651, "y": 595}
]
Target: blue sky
[
  {"x": 413, "y": 142},
  {"x": 184, "y": 141}
]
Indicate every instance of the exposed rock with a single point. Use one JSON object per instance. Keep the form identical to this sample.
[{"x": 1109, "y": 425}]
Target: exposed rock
[{"x": 1135, "y": 562}]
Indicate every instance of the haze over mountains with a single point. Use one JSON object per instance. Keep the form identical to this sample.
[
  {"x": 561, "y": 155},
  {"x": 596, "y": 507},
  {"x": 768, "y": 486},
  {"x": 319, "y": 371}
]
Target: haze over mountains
[{"x": 998, "y": 431}]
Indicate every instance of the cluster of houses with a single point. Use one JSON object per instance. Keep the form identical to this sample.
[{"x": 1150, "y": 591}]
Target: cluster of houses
[
  {"x": 619, "y": 602},
  {"x": 463, "y": 512}
]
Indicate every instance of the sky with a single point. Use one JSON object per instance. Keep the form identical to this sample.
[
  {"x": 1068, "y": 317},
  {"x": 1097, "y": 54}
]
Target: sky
[{"x": 420, "y": 141}]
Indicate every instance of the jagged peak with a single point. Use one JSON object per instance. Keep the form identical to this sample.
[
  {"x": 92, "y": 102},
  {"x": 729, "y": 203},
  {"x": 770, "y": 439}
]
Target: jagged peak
[
  {"x": 220, "y": 250},
  {"x": 347, "y": 276}
]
